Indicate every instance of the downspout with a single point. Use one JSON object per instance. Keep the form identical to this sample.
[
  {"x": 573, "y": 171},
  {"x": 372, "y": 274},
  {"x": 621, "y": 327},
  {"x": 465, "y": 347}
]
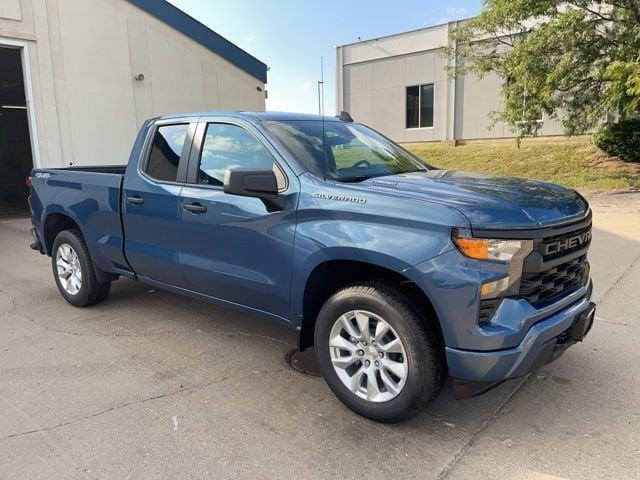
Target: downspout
[{"x": 452, "y": 64}]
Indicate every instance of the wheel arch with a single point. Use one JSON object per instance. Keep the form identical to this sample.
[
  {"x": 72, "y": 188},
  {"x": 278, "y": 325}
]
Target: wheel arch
[
  {"x": 332, "y": 275},
  {"x": 54, "y": 223}
]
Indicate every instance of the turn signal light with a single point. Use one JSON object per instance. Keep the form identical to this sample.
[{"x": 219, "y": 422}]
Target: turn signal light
[{"x": 473, "y": 247}]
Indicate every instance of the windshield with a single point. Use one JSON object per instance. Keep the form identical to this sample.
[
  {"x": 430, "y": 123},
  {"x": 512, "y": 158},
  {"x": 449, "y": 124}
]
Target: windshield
[{"x": 350, "y": 152}]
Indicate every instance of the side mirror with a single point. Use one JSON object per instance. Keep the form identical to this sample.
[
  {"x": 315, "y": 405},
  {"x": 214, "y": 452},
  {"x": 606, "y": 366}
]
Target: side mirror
[{"x": 261, "y": 184}]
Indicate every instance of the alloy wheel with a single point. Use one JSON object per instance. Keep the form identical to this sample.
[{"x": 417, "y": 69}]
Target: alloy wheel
[
  {"x": 69, "y": 269},
  {"x": 368, "y": 356}
]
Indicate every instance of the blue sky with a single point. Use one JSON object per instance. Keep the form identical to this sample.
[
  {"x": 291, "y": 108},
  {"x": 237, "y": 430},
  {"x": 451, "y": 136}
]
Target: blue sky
[{"x": 291, "y": 35}]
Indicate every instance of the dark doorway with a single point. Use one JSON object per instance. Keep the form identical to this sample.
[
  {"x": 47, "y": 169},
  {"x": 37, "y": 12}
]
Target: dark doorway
[{"x": 15, "y": 144}]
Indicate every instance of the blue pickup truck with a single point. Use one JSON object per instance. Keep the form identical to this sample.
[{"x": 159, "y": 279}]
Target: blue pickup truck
[{"x": 397, "y": 273}]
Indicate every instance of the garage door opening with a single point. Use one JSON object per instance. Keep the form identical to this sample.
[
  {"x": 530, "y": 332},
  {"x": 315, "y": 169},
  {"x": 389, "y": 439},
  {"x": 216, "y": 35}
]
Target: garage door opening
[{"x": 15, "y": 145}]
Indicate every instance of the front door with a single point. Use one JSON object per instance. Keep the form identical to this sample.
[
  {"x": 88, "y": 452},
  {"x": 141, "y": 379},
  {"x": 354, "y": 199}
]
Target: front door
[
  {"x": 235, "y": 248},
  {"x": 151, "y": 205}
]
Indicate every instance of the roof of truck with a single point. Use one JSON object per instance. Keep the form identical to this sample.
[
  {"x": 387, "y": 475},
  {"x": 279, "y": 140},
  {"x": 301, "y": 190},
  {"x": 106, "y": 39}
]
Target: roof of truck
[{"x": 261, "y": 116}]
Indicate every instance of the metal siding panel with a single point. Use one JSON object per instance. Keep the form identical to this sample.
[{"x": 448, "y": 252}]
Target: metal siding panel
[
  {"x": 420, "y": 68},
  {"x": 198, "y": 32},
  {"x": 387, "y": 118},
  {"x": 361, "y": 108},
  {"x": 360, "y": 78},
  {"x": 479, "y": 97},
  {"x": 387, "y": 74},
  {"x": 175, "y": 75},
  {"x": 400, "y": 44},
  {"x": 97, "y": 78},
  {"x": 10, "y": 9}
]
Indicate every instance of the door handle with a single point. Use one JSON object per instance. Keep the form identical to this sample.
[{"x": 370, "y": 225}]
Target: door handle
[
  {"x": 135, "y": 200},
  {"x": 195, "y": 208}
]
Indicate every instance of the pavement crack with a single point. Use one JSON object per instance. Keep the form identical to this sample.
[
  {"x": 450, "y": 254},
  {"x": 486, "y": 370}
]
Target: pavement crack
[
  {"x": 619, "y": 279},
  {"x": 115, "y": 335},
  {"x": 144, "y": 400},
  {"x": 165, "y": 333},
  {"x": 12, "y": 302},
  {"x": 603, "y": 320},
  {"x": 457, "y": 456}
]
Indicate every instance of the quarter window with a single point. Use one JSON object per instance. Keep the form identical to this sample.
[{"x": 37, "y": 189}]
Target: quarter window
[
  {"x": 227, "y": 147},
  {"x": 165, "y": 153},
  {"x": 419, "y": 105}
]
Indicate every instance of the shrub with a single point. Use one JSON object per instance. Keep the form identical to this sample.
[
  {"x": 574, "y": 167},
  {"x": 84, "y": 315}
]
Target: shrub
[{"x": 621, "y": 139}]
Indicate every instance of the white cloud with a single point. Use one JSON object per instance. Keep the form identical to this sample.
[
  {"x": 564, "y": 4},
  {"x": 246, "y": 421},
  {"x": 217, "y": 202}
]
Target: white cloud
[
  {"x": 456, "y": 11},
  {"x": 305, "y": 85},
  {"x": 452, "y": 13},
  {"x": 249, "y": 39}
]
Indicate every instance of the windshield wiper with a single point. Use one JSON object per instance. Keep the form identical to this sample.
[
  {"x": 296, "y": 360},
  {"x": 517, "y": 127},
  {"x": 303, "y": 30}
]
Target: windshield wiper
[
  {"x": 360, "y": 178},
  {"x": 354, "y": 178}
]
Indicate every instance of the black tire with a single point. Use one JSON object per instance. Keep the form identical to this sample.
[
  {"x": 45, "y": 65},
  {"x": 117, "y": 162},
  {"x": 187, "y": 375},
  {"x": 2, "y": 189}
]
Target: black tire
[
  {"x": 91, "y": 291},
  {"x": 424, "y": 351}
]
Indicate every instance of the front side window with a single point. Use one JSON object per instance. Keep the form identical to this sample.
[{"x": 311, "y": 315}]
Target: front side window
[
  {"x": 346, "y": 152},
  {"x": 227, "y": 147},
  {"x": 419, "y": 104},
  {"x": 165, "y": 153}
]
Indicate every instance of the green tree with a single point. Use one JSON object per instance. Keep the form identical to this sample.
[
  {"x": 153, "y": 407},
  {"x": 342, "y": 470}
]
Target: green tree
[{"x": 578, "y": 61}]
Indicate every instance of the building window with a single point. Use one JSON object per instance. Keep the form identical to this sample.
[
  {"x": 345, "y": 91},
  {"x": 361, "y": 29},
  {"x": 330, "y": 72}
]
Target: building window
[
  {"x": 538, "y": 117},
  {"x": 420, "y": 106}
]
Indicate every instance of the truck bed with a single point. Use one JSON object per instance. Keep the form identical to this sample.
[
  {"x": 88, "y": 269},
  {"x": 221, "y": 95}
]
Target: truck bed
[{"x": 92, "y": 195}]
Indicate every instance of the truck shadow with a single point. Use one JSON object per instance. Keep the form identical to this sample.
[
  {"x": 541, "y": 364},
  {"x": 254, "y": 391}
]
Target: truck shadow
[
  {"x": 444, "y": 412},
  {"x": 175, "y": 313}
]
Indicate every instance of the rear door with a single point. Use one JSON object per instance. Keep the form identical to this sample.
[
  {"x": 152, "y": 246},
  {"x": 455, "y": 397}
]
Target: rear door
[
  {"x": 237, "y": 249},
  {"x": 151, "y": 202}
]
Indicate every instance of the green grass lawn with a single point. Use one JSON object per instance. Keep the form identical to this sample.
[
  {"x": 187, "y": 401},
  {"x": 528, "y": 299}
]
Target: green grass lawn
[{"x": 574, "y": 163}]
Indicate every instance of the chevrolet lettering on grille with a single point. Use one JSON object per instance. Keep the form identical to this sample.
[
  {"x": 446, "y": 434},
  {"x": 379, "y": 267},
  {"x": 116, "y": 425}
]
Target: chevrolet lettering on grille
[{"x": 568, "y": 243}]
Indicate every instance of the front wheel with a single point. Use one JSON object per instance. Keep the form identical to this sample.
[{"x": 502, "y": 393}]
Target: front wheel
[
  {"x": 73, "y": 271},
  {"x": 376, "y": 354}
]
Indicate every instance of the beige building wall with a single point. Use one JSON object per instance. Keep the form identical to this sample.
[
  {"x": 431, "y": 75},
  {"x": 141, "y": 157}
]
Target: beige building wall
[
  {"x": 476, "y": 99},
  {"x": 375, "y": 94},
  {"x": 371, "y": 81},
  {"x": 82, "y": 58}
]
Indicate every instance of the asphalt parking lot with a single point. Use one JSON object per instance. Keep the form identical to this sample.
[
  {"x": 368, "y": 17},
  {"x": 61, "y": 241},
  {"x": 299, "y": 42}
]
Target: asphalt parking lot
[{"x": 152, "y": 385}]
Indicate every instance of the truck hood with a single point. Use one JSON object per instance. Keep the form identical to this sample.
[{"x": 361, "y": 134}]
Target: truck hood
[{"x": 489, "y": 201}]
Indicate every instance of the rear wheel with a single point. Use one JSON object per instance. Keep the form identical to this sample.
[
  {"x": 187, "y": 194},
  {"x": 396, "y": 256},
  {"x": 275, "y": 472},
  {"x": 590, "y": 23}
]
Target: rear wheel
[
  {"x": 73, "y": 271},
  {"x": 376, "y": 354}
]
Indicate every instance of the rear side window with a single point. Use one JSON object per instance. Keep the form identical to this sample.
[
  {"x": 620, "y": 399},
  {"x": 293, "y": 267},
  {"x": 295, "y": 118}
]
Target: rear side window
[
  {"x": 227, "y": 147},
  {"x": 165, "y": 153}
]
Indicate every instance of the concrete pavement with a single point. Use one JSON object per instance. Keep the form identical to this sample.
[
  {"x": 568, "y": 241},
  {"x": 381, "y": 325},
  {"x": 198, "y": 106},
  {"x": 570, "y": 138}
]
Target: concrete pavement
[{"x": 152, "y": 385}]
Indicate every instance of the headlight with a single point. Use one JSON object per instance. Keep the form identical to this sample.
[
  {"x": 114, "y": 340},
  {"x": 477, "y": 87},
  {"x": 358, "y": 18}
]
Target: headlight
[{"x": 507, "y": 251}]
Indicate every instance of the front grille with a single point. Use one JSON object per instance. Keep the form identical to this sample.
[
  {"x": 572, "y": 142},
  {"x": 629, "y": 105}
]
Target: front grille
[
  {"x": 555, "y": 268},
  {"x": 550, "y": 285},
  {"x": 571, "y": 241}
]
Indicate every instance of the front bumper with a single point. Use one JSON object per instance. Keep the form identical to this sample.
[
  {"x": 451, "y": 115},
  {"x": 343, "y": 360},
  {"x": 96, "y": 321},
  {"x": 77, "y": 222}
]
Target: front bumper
[{"x": 475, "y": 372}]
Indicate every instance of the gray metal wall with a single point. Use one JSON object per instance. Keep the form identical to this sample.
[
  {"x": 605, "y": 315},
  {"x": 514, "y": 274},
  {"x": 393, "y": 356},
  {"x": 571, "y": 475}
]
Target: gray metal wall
[
  {"x": 475, "y": 100},
  {"x": 371, "y": 81},
  {"x": 375, "y": 94}
]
